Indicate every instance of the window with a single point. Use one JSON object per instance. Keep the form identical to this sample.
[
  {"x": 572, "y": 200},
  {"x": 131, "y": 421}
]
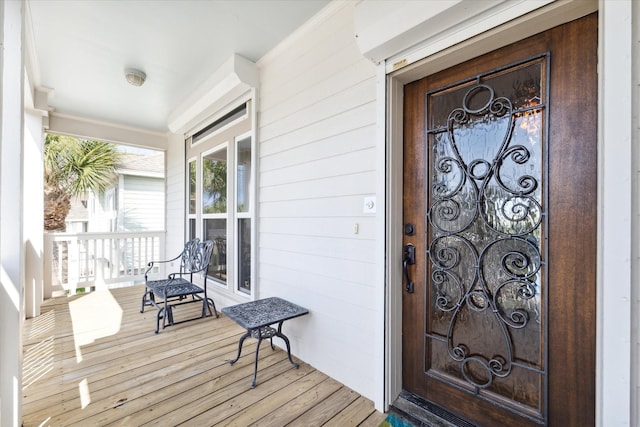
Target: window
[
  {"x": 243, "y": 205},
  {"x": 220, "y": 199},
  {"x": 191, "y": 210},
  {"x": 214, "y": 208}
]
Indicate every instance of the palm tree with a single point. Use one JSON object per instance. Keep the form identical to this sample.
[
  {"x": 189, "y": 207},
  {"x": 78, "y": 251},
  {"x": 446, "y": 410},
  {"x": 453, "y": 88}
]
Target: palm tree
[{"x": 73, "y": 167}]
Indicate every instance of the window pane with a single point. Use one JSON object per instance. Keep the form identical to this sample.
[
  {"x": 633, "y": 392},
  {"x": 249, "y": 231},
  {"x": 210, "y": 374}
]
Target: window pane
[
  {"x": 216, "y": 230},
  {"x": 244, "y": 174},
  {"x": 244, "y": 255},
  {"x": 192, "y": 187},
  {"x": 214, "y": 182},
  {"x": 192, "y": 228}
]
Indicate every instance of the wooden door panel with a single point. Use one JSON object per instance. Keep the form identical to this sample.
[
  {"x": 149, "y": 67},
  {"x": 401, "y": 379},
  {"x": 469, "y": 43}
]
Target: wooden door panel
[{"x": 563, "y": 345}]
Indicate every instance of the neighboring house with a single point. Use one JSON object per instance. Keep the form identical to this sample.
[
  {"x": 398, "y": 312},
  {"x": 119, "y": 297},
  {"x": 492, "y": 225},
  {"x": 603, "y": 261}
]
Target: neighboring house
[
  {"x": 136, "y": 200},
  {"x": 331, "y": 189},
  {"x": 78, "y": 217},
  {"x": 134, "y": 203}
]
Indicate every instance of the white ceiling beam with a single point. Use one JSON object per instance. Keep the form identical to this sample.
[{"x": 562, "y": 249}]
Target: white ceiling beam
[
  {"x": 234, "y": 78},
  {"x": 386, "y": 28}
]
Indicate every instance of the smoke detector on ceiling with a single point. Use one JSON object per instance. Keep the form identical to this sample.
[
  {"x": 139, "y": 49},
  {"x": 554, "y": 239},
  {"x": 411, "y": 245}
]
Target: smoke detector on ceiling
[{"x": 135, "y": 77}]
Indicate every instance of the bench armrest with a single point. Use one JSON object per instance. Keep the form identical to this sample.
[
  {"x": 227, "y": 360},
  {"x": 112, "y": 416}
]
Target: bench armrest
[{"x": 151, "y": 264}]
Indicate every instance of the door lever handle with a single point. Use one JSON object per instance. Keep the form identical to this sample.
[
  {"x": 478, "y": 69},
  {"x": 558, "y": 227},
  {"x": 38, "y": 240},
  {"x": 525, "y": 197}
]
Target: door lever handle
[{"x": 409, "y": 258}]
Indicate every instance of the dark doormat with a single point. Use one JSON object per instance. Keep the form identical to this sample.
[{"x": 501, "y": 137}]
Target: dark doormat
[{"x": 421, "y": 413}]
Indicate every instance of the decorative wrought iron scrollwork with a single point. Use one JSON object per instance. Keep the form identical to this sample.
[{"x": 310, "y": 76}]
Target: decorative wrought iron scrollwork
[{"x": 485, "y": 215}]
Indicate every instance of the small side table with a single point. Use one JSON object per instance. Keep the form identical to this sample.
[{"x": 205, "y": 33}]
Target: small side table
[{"x": 257, "y": 317}]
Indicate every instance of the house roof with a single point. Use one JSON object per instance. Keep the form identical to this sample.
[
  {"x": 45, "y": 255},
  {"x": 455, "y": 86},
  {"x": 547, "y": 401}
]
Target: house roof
[
  {"x": 78, "y": 210},
  {"x": 142, "y": 165}
]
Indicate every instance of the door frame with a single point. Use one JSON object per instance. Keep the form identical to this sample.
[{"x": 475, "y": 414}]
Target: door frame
[{"x": 613, "y": 355}]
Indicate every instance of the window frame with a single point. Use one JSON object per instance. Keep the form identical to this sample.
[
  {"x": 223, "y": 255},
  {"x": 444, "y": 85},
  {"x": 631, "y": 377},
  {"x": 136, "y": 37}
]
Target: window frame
[
  {"x": 215, "y": 148},
  {"x": 247, "y": 214},
  {"x": 191, "y": 216},
  {"x": 228, "y": 137}
]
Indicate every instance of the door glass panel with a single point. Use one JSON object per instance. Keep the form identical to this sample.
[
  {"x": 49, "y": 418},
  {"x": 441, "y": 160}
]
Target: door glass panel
[
  {"x": 485, "y": 323},
  {"x": 216, "y": 230},
  {"x": 243, "y": 180},
  {"x": 214, "y": 182}
]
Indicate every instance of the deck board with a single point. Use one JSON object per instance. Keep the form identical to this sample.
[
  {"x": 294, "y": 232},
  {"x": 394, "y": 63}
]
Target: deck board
[{"x": 94, "y": 359}]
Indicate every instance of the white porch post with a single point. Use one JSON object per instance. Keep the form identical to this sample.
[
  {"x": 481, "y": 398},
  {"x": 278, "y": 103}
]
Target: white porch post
[
  {"x": 615, "y": 227},
  {"x": 11, "y": 243},
  {"x": 32, "y": 219}
]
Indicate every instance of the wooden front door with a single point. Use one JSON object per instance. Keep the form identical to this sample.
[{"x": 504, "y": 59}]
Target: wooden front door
[{"x": 500, "y": 173}]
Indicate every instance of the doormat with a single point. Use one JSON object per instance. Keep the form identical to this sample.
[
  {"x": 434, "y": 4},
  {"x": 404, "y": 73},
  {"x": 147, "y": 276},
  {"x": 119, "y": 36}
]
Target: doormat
[{"x": 393, "y": 420}]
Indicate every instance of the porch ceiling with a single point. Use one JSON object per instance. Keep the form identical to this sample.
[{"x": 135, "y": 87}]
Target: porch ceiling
[{"x": 80, "y": 50}]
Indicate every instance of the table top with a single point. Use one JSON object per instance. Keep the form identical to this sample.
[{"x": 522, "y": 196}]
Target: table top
[{"x": 263, "y": 312}]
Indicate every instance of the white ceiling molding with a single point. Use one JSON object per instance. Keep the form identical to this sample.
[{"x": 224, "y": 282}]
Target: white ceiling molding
[
  {"x": 30, "y": 58},
  {"x": 94, "y": 129},
  {"x": 41, "y": 96},
  {"x": 36, "y": 101},
  {"x": 385, "y": 28},
  {"x": 234, "y": 78}
]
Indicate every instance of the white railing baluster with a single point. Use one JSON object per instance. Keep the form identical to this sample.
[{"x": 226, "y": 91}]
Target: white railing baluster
[{"x": 84, "y": 260}]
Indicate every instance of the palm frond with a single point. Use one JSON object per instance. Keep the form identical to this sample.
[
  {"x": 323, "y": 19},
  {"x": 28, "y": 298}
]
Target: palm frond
[{"x": 77, "y": 166}]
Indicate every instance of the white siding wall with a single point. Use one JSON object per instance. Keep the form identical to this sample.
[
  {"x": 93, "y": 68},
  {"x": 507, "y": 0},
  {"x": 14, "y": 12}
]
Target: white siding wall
[
  {"x": 101, "y": 213},
  {"x": 175, "y": 190},
  {"x": 317, "y": 163},
  {"x": 635, "y": 221},
  {"x": 143, "y": 203}
]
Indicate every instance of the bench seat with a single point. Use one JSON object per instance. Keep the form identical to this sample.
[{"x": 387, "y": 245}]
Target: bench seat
[{"x": 165, "y": 294}]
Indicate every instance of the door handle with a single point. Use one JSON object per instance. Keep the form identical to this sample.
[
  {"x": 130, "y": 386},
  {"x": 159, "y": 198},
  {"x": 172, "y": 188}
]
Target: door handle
[{"x": 408, "y": 258}]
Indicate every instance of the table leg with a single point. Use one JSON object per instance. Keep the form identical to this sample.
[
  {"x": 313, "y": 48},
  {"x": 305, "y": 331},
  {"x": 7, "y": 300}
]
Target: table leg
[
  {"x": 255, "y": 368},
  {"x": 286, "y": 340},
  {"x": 244, "y": 337}
]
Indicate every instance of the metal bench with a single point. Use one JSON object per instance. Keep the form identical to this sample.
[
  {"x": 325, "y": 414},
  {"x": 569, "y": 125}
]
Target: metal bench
[{"x": 179, "y": 288}]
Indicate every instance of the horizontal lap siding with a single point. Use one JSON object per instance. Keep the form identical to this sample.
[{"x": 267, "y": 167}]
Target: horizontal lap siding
[
  {"x": 635, "y": 277},
  {"x": 143, "y": 203},
  {"x": 175, "y": 184},
  {"x": 317, "y": 163}
]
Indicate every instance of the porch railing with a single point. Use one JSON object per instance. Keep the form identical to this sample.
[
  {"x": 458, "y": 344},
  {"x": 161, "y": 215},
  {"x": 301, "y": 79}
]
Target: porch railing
[{"x": 86, "y": 261}]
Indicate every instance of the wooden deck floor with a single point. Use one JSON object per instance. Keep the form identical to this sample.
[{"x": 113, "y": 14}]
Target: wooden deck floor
[{"x": 94, "y": 360}]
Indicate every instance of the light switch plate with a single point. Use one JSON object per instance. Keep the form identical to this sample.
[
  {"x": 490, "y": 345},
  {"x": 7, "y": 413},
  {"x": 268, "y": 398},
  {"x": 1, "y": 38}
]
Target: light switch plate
[{"x": 369, "y": 204}]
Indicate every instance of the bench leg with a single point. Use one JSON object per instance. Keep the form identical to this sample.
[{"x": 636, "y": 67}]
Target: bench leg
[
  {"x": 147, "y": 301},
  {"x": 169, "y": 315},
  {"x": 158, "y": 316},
  {"x": 209, "y": 303},
  {"x": 205, "y": 308}
]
